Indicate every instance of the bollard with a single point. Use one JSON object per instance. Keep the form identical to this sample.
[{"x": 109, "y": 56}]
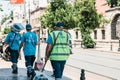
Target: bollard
[{"x": 82, "y": 77}]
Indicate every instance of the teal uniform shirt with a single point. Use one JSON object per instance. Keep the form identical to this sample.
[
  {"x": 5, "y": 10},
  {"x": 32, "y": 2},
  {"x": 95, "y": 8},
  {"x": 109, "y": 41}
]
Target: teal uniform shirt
[
  {"x": 13, "y": 39},
  {"x": 30, "y": 40}
]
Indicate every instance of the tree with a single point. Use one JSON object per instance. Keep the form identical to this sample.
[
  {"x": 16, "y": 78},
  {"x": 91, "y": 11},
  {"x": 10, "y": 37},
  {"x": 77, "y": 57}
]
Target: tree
[
  {"x": 6, "y": 30},
  {"x": 89, "y": 20},
  {"x": 7, "y": 17},
  {"x": 113, "y": 3},
  {"x": 82, "y": 15},
  {"x": 59, "y": 10}
]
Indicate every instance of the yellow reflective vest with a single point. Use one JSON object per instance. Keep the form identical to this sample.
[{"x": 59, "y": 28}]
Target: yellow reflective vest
[{"x": 61, "y": 49}]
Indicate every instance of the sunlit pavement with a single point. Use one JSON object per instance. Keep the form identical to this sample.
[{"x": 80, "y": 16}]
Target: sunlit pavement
[{"x": 6, "y": 71}]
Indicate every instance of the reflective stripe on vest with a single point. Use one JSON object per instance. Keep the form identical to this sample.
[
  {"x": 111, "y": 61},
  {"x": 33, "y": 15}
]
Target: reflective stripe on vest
[{"x": 61, "y": 49}]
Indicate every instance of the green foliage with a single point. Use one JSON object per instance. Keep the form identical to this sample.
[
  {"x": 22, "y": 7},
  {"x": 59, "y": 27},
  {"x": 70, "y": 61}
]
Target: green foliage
[
  {"x": 89, "y": 17},
  {"x": 88, "y": 41},
  {"x": 59, "y": 10},
  {"x": 113, "y": 3},
  {"x": 7, "y": 17},
  {"x": 82, "y": 15},
  {"x": 6, "y": 30},
  {"x": 89, "y": 20}
]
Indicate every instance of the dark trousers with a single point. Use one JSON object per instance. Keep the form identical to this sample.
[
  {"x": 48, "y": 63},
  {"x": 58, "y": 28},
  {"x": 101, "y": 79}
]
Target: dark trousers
[
  {"x": 14, "y": 54},
  {"x": 1, "y": 49},
  {"x": 58, "y": 67},
  {"x": 29, "y": 60}
]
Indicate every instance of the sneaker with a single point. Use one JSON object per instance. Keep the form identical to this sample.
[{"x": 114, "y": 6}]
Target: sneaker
[
  {"x": 28, "y": 74},
  {"x": 31, "y": 76},
  {"x": 15, "y": 72}
]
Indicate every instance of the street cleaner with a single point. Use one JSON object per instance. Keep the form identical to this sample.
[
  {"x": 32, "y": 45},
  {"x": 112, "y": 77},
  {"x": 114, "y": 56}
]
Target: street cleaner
[
  {"x": 58, "y": 50},
  {"x": 29, "y": 42},
  {"x": 13, "y": 40}
]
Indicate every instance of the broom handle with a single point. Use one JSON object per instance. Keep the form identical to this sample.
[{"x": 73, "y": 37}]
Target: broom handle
[
  {"x": 39, "y": 55},
  {"x": 44, "y": 66}
]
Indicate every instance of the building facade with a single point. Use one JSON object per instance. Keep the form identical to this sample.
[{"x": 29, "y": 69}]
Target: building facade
[{"x": 108, "y": 34}]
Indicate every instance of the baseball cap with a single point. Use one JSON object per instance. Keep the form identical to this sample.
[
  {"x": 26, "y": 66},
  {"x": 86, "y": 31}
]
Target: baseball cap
[
  {"x": 28, "y": 26},
  {"x": 59, "y": 24},
  {"x": 17, "y": 27}
]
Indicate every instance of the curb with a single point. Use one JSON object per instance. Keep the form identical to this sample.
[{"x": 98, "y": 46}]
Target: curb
[{"x": 117, "y": 52}]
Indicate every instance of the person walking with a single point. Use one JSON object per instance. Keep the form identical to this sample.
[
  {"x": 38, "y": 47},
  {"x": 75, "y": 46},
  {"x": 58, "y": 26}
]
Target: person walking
[
  {"x": 60, "y": 51},
  {"x": 29, "y": 42},
  {"x": 13, "y": 40}
]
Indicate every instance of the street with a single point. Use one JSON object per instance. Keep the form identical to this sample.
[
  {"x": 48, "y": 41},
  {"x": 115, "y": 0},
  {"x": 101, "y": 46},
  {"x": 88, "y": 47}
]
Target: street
[{"x": 98, "y": 65}]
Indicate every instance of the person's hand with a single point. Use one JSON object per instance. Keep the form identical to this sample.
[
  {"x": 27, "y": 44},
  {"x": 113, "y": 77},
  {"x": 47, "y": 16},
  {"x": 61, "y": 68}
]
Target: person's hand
[
  {"x": 38, "y": 43},
  {"x": 4, "y": 48}
]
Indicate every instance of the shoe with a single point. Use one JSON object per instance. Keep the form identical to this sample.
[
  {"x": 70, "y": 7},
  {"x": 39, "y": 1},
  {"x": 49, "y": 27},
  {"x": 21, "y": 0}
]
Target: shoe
[
  {"x": 15, "y": 72},
  {"x": 31, "y": 75},
  {"x": 15, "y": 69}
]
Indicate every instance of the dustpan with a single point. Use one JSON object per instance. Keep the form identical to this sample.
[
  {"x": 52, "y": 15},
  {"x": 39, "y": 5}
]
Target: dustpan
[{"x": 41, "y": 76}]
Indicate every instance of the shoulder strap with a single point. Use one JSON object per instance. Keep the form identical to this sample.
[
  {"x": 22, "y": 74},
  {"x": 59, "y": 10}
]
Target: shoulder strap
[
  {"x": 55, "y": 39},
  {"x": 53, "y": 44}
]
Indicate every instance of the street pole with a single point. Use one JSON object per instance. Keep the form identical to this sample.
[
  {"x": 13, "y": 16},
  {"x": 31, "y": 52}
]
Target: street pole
[
  {"x": 29, "y": 12},
  {"x": 25, "y": 11}
]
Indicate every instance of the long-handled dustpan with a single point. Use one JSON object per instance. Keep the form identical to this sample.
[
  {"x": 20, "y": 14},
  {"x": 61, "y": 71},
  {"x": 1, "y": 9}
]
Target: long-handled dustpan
[
  {"x": 41, "y": 76},
  {"x": 39, "y": 61}
]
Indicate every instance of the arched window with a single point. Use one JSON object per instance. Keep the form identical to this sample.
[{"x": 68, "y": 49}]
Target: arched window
[
  {"x": 118, "y": 27},
  {"x": 115, "y": 27}
]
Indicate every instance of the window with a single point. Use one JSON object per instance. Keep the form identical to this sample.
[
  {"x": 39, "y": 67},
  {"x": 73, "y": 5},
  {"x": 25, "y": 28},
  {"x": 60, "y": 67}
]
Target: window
[
  {"x": 76, "y": 34},
  {"x": 103, "y": 34},
  {"x": 95, "y": 34}
]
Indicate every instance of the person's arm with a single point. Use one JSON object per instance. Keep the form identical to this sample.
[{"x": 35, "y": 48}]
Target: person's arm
[
  {"x": 47, "y": 54},
  {"x": 22, "y": 42},
  {"x": 7, "y": 40},
  {"x": 21, "y": 45},
  {"x": 48, "y": 47}
]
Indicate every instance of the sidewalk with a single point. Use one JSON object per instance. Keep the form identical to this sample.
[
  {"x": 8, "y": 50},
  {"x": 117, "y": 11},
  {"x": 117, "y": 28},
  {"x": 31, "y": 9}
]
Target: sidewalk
[
  {"x": 5, "y": 71},
  {"x": 5, "y": 68}
]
